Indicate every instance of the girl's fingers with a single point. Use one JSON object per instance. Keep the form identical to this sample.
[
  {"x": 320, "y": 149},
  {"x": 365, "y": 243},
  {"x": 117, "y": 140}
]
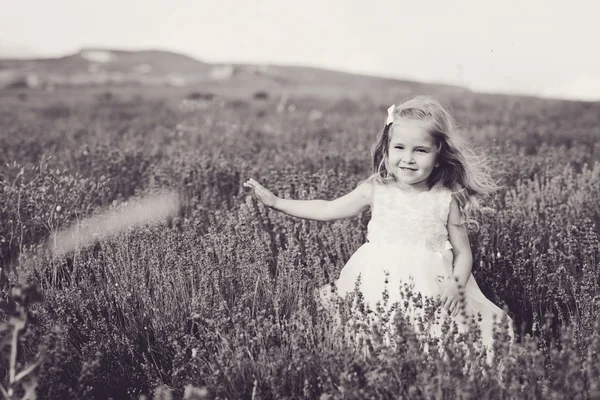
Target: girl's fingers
[
  {"x": 265, "y": 195},
  {"x": 258, "y": 189},
  {"x": 450, "y": 305},
  {"x": 447, "y": 304},
  {"x": 252, "y": 183},
  {"x": 454, "y": 309}
]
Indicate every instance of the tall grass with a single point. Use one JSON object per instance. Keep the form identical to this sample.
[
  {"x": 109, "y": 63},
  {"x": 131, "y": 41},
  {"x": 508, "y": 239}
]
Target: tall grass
[{"x": 221, "y": 296}]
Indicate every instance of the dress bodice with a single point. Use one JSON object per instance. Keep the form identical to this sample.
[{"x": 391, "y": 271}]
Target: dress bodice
[{"x": 410, "y": 218}]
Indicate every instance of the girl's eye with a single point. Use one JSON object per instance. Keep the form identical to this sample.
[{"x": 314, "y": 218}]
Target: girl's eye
[
  {"x": 399, "y": 147},
  {"x": 422, "y": 150}
]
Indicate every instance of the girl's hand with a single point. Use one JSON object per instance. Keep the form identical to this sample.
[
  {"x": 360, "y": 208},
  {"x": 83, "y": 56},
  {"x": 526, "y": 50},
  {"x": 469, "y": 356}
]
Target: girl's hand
[
  {"x": 450, "y": 297},
  {"x": 268, "y": 198}
]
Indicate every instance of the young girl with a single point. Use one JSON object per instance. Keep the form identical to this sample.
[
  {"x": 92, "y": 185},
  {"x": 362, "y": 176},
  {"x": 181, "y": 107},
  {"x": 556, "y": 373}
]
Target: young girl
[{"x": 425, "y": 188}]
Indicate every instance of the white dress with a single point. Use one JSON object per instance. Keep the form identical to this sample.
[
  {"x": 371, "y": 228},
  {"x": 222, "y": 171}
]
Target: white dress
[{"x": 408, "y": 239}]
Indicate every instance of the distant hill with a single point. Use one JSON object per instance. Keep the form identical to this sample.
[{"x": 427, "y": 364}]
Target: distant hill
[{"x": 106, "y": 67}]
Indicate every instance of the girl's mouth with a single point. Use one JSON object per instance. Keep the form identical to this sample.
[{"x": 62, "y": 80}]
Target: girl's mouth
[{"x": 407, "y": 169}]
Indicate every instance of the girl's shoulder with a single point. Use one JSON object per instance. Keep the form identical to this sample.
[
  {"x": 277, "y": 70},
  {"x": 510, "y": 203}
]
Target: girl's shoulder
[
  {"x": 441, "y": 188},
  {"x": 366, "y": 189},
  {"x": 445, "y": 193}
]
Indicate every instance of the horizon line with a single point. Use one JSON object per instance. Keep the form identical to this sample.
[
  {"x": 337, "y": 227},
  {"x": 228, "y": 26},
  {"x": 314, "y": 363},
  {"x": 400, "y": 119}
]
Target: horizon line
[{"x": 79, "y": 49}]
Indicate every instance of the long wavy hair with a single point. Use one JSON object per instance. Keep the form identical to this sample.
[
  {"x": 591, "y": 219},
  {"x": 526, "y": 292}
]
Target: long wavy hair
[{"x": 462, "y": 171}]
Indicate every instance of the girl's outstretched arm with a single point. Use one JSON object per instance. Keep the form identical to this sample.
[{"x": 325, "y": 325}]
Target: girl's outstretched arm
[{"x": 319, "y": 210}]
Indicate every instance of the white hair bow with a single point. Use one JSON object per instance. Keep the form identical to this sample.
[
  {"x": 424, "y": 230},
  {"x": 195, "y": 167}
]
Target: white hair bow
[{"x": 390, "y": 116}]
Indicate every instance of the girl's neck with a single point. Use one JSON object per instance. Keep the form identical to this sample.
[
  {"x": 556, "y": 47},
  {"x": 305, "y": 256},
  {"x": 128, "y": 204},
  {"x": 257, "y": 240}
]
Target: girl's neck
[{"x": 417, "y": 188}]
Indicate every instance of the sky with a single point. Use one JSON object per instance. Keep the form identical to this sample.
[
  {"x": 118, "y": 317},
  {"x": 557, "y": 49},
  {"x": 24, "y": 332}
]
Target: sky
[{"x": 546, "y": 48}]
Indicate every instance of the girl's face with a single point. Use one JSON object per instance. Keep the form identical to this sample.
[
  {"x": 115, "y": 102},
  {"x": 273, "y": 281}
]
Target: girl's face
[{"x": 412, "y": 153}]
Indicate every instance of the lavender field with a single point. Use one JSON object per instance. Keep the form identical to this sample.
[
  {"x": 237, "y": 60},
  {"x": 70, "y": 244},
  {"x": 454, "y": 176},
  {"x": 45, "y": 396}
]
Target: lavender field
[{"x": 218, "y": 298}]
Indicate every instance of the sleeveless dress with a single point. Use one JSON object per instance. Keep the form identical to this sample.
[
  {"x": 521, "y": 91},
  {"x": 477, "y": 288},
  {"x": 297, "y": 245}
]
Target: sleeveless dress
[{"x": 408, "y": 241}]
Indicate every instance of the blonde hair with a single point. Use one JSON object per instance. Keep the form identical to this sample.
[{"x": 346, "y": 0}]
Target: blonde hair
[{"x": 466, "y": 174}]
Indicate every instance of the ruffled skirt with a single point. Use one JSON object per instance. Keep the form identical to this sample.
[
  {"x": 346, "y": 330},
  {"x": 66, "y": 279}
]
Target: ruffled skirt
[{"x": 427, "y": 272}]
